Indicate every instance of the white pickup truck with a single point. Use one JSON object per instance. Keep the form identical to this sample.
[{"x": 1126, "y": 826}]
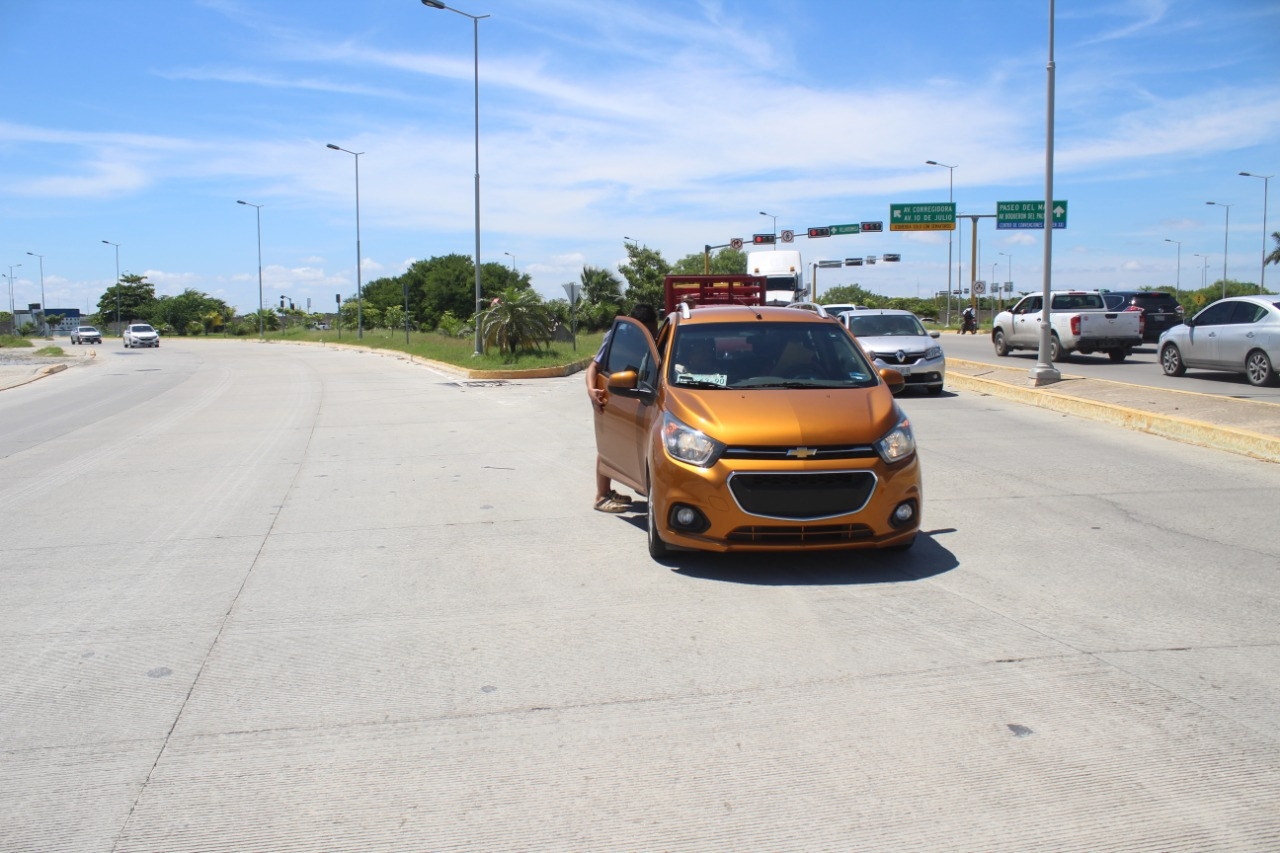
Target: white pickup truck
[{"x": 1079, "y": 322}]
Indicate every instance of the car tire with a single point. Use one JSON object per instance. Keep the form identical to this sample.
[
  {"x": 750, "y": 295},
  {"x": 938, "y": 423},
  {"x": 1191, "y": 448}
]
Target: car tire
[
  {"x": 1117, "y": 355},
  {"x": 1171, "y": 361},
  {"x": 1258, "y": 369},
  {"x": 997, "y": 340},
  {"x": 934, "y": 389},
  {"x": 1056, "y": 352},
  {"x": 657, "y": 548}
]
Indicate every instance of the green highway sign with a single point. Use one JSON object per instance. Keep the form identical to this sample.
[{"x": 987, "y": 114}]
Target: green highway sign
[
  {"x": 1028, "y": 214},
  {"x": 922, "y": 217},
  {"x": 846, "y": 229}
]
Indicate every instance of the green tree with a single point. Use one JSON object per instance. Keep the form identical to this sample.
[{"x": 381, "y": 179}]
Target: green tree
[
  {"x": 1274, "y": 257},
  {"x": 517, "y": 320},
  {"x": 600, "y": 287},
  {"x": 723, "y": 262},
  {"x": 853, "y": 294},
  {"x": 393, "y": 317},
  {"x": 190, "y": 306},
  {"x": 444, "y": 283},
  {"x": 130, "y": 299},
  {"x": 644, "y": 271}
]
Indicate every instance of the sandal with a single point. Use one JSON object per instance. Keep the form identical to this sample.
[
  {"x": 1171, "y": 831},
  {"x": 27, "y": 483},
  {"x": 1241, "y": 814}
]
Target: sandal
[
  {"x": 608, "y": 504},
  {"x": 622, "y": 499}
]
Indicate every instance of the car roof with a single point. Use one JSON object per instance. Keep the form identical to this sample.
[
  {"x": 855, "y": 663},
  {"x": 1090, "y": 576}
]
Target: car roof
[
  {"x": 746, "y": 313},
  {"x": 897, "y": 311}
]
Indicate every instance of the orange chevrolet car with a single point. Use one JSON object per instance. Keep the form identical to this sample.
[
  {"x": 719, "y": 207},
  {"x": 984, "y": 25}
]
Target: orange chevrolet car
[{"x": 753, "y": 428}]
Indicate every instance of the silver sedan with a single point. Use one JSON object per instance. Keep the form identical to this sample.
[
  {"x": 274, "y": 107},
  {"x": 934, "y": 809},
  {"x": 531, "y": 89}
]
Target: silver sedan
[{"x": 1239, "y": 334}]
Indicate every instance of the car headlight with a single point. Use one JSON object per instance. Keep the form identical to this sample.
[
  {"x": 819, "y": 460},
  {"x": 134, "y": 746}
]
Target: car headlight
[
  {"x": 686, "y": 444},
  {"x": 899, "y": 442},
  {"x": 933, "y": 352}
]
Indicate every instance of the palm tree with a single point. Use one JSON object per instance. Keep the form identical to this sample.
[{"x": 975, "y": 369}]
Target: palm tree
[
  {"x": 1274, "y": 257},
  {"x": 517, "y": 320},
  {"x": 600, "y": 287}
]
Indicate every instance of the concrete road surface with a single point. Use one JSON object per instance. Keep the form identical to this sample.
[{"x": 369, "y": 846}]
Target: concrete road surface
[{"x": 271, "y": 597}]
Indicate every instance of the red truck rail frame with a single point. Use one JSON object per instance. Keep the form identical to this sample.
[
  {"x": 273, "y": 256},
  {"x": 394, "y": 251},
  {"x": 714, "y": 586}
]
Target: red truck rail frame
[{"x": 713, "y": 290}]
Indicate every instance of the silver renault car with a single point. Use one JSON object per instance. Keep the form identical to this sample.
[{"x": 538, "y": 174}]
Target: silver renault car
[{"x": 897, "y": 339}]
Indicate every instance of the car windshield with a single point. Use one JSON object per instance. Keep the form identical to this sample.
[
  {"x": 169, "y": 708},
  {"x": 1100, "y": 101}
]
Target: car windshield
[
  {"x": 884, "y": 325},
  {"x": 767, "y": 355},
  {"x": 140, "y": 329}
]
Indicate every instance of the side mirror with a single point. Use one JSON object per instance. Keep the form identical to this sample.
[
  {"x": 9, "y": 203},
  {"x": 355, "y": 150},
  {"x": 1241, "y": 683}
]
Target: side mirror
[
  {"x": 935, "y": 334},
  {"x": 623, "y": 380},
  {"x": 893, "y": 379},
  {"x": 1189, "y": 321}
]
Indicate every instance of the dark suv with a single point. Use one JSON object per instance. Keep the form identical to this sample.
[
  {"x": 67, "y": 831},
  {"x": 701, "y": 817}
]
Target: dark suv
[{"x": 1159, "y": 309}]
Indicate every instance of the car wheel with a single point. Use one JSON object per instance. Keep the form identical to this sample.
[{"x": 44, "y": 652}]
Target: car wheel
[
  {"x": 1258, "y": 369},
  {"x": 1117, "y": 355},
  {"x": 1056, "y": 353},
  {"x": 997, "y": 339},
  {"x": 1171, "y": 361},
  {"x": 657, "y": 548},
  {"x": 934, "y": 389}
]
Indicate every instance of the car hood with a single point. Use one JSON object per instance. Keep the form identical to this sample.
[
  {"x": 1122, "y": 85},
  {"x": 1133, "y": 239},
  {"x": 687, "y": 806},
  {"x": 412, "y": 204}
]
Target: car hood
[
  {"x": 893, "y": 343},
  {"x": 787, "y": 416}
]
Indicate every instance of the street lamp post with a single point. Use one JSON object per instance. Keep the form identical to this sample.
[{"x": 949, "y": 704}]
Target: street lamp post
[
  {"x": 12, "y": 307},
  {"x": 1009, "y": 268},
  {"x": 262, "y": 333},
  {"x": 775, "y": 227},
  {"x": 117, "y": 245},
  {"x": 1177, "y": 281},
  {"x": 475, "y": 38},
  {"x": 44, "y": 309},
  {"x": 359, "y": 285},
  {"x": 951, "y": 173},
  {"x": 1226, "y": 232},
  {"x": 1204, "y": 269},
  {"x": 1266, "y": 180},
  {"x": 513, "y": 260}
]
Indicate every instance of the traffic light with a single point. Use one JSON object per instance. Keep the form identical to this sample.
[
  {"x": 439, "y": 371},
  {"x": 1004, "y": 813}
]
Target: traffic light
[
  {"x": 891, "y": 258},
  {"x": 764, "y": 239},
  {"x": 820, "y": 232}
]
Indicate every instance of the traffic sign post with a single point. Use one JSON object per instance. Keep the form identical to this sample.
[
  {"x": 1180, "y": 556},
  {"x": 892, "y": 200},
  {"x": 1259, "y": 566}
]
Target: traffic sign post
[
  {"x": 846, "y": 229},
  {"x": 1028, "y": 214},
  {"x": 922, "y": 217}
]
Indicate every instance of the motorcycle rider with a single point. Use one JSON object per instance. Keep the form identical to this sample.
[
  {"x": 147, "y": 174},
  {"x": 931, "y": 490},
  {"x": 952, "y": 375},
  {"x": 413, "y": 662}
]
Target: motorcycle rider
[{"x": 970, "y": 321}]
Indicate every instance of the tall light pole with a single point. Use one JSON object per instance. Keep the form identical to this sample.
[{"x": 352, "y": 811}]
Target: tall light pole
[
  {"x": 359, "y": 283},
  {"x": 117, "y": 245},
  {"x": 1266, "y": 180},
  {"x": 475, "y": 38},
  {"x": 1177, "y": 282},
  {"x": 1009, "y": 269},
  {"x": 262, "y": 334},
  {"x": 951, "y": 173},
  {"x": 12, "y": 312},
  {"x": 775, "y": 227},
  {"x": 1226, "y": 232},
  {"x": 44, "y": 309},
  {"x": 1204, "y": 269},
  {"x": 1044, "y": 372},
  {"x": 513, "y": 260}
]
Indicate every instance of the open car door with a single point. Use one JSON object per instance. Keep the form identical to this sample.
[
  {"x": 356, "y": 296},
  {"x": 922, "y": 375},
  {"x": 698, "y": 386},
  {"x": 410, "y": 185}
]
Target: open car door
[{"x": 622, "y": 424}]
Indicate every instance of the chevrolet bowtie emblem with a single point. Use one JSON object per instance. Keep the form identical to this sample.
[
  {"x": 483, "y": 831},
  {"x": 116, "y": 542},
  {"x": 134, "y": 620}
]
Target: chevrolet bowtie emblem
[{"x": 803, "y": 452}]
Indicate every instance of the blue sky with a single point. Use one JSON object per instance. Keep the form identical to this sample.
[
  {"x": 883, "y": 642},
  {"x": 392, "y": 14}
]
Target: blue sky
[{"x": 672, "y": 122}]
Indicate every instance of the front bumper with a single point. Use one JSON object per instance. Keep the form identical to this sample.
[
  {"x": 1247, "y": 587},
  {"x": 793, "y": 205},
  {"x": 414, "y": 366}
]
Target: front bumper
[
  {"x": 721, "y": 523},
  {"x": 916, "y": 371}
]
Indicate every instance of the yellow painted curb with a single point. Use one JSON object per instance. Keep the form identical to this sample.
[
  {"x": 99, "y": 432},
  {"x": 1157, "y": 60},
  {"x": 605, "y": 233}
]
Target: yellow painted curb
[{"x": 1179, "y": 429}]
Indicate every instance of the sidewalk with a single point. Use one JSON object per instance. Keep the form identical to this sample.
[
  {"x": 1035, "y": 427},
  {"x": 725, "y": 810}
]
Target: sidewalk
[{"x": 1226, "y": 423}]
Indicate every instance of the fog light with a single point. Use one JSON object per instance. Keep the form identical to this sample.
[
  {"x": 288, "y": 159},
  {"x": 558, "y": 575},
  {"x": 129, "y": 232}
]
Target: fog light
[
  {"x": 685, "y": 517},
  {"x": 903, "y": 514}
]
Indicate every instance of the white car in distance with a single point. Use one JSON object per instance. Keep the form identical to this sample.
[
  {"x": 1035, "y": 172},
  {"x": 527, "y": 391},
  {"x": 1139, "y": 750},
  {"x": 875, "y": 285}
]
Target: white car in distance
[{"x": 140, "y": 335}]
